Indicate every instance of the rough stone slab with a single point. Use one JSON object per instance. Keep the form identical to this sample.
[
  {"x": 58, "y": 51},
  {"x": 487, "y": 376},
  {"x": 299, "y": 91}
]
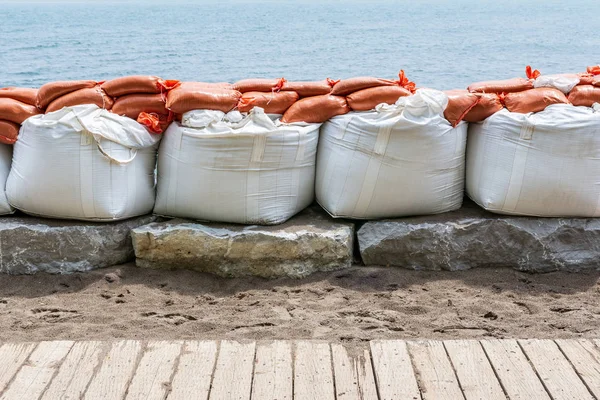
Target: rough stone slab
[
  {"x": 471, "y": 237},
  {"x": 30, "y": 244},
  {"x": 307, "y": 243}
]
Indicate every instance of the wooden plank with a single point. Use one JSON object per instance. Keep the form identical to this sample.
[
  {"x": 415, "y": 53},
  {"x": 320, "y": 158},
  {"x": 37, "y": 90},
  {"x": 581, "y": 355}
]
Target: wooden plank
[
  {"x": 585, "y": 357},
  {"x": 313, "y": 377},
  {"x": 516, "y": 375},
  {"x": 37, "y": 371},
  {"x": 195, "y": 370},
  {"x": 12, "y": 356},
  {"x": 75, "y": 372},
  {"x": 394, "y": 373},
  {"x": 475, "y": 374},
  {"x": 273, "y": 376},
  {"x": 232, "y": 379},
  {"x": 152, "y": 379},
  {"x": 555, "y": 370},
  {"x": 115, "y": 372},
  {"x": 434, "y": 372},
  {"x": 354, "y": 378}
]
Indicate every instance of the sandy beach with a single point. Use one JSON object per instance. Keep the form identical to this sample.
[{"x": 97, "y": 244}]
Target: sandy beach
[{"x": 350, "y": 306}]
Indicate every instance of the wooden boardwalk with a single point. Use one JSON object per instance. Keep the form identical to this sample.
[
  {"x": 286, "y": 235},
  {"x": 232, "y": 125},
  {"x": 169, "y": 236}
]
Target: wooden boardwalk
[{"x": 303, "y": 370}]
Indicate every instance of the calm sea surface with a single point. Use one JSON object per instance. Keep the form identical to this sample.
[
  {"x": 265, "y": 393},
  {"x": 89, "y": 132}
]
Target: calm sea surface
[{"x": 440, "y": 44}]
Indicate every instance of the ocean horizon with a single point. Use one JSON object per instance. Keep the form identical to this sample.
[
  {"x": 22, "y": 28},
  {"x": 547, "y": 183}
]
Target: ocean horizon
[{"x": 439, "y": 44}]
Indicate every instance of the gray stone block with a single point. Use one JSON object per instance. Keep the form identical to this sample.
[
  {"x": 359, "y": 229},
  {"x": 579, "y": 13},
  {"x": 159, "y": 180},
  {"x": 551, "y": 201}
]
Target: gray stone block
[
  {"x": 471, "y": 237},
  {"x": 307, "y": 243},
  {"x": 30, "y": 244}
]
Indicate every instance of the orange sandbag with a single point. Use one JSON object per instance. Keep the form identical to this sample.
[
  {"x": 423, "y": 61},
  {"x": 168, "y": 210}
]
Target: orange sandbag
[
  {"x": 368, "y": 99},
  {"x": 351, "y": 85},
  {"x": 504, "y": 86},
  {"x": 271, "y": 102},
  {"x": 316, "y": 109},
  {"x": 189, "y": 97},
  {"x": 82, "y": 96},
  {"x": 308, "y": 89},
  {"x": 138, "y": 84},
  {"x": 155, "y": 123},
  {"x": 488, "y": 105},
  {"x": 15, "y": 111},
  {"x": 53, "y": 90},
  {"x": 24, "y": 95},
  {"x": 533, "y": 100},
  {"x": 8, "y": 132},
  {"x": 259, "y": 85},
  {"x": 460, "y": 102},
  {"x": 213, "y": 85},
  {"x": 584, "y": 95},
  {"x": 132, "y": 105},
  {"x": 594, "y": 70}
]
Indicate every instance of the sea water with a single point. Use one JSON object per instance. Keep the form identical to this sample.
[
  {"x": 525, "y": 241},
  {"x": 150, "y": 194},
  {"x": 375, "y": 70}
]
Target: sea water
[{"x": 440, "y": 44}]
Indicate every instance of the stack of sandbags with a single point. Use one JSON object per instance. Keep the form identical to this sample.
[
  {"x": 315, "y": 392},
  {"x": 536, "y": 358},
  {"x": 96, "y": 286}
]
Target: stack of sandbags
[
  {"x": 587, "y": 92},
  {"x": 235, "y": 168},
  {"x": 54, "y": 96},
  {"x": 365, "y": 93},
  {"x": 309, "y": 102},
  {"x": 541, "y": 164},
  {"x": 397, "y": 160},
  {"x": 16, "y": 105},
  {"x": 276, "y": 96},
  {"x": 85, "y": 163},
  {"x": 142, "y": 98}
]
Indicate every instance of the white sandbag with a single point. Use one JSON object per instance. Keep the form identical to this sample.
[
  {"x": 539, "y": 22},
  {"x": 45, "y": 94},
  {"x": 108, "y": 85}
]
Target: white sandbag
[
  {"x": 5, "y": 160},
  {"x": 561, "y": 82},
  {"x": 255, "y": 171},
  {"x": 543, "y": 164},
  {"x": 398, "y": 160},
  {"x": 83, "y": 163}
]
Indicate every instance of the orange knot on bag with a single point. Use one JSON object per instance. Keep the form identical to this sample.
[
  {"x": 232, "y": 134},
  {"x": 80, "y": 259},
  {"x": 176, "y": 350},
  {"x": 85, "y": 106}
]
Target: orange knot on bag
[
  {"x": 594, "y": 70},
  {"x": 405, "y": 83},
  {"x": 316, "y": 109},
  {"x": 532, "y": 74},
  {"x": 272, "y": 103},
  {"x": 155, "y": 123}
]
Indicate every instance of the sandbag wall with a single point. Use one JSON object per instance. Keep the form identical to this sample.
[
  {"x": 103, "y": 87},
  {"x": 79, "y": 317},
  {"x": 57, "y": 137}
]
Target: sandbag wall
[{"x": 247, "y": 152}]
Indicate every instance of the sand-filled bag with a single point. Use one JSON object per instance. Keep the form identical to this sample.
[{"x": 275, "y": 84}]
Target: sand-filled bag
[
  {"x": 229, "y": 168},
  {"x": 544, "y": 164},
  {"x": 398, "y": 160},
  {"x": 83, "y": 163}
]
